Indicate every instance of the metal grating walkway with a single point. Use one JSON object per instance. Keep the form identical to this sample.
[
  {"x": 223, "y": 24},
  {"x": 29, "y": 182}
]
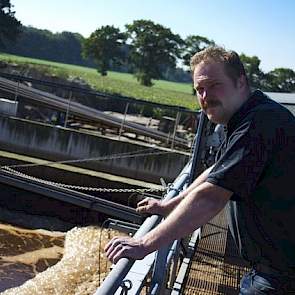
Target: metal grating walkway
[{"x": 216, "y": 267}]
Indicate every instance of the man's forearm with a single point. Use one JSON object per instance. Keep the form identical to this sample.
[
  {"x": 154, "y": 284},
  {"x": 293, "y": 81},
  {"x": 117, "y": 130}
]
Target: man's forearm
[
  {"x": 171, "y": 204},
  {"x": 196, "y": 209},
  {"x": 199, "y": 180},
  {"x": 200, "y": 205}
]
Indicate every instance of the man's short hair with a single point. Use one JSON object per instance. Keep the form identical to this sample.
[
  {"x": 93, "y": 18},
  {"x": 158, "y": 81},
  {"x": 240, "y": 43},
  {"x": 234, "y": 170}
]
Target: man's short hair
[{"x": 230, "y": 59}]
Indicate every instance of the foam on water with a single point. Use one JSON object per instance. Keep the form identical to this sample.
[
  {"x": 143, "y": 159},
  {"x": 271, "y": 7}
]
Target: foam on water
[{"x": 80, "y": 271}]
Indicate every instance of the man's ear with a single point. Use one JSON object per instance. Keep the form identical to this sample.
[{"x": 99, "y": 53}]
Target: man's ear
[{"x": 242, "y": 82}]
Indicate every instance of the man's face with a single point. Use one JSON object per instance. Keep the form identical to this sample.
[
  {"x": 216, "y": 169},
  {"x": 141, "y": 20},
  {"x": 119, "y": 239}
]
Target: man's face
[{"x": 218, "y": 96}]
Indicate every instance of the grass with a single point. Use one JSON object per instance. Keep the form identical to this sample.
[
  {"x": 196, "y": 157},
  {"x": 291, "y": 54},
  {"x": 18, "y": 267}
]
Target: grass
[{"x": 165, "y": 92}]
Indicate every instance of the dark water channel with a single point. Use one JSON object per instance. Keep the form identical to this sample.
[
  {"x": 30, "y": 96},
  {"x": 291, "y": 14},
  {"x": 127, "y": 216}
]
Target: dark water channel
[
  {"x": 48, "y": 246},
  {"x": 41, "y": 261}
]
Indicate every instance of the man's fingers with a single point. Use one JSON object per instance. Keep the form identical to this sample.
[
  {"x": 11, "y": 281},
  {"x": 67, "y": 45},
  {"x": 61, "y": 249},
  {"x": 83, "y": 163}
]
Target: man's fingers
[
  {"x": 108, "y": 245},
  {"x": 119, "y": 254},
  {"x": 143, "y": 202},
  {"x": 120, "y": 247},
  {"x": 117, "y": 248},
  {"x": 141, "y": 209},
  {"x": 116, "y": 252},
  {"x": 113, "y": 248},
  {"x": 111, "y": 244}
]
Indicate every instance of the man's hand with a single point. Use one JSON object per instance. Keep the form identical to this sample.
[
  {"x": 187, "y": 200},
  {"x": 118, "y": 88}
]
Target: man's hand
[
  {"x": 120, "y": 247},
  {"x": 150, "y": 206}
]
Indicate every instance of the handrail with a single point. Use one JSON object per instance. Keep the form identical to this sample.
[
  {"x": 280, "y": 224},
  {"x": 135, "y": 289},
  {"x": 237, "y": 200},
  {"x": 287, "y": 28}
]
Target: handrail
[
  {"x": 71, "y": 196},
  {"x": 196, "y": 161},
  {"x": 185, "y": 265},
  {"x": 115, "y": 277},
  {"x": 85, "y": 112},
  {"x": 187, "y": 175},
  {"x": 95, "y": 92},
  {"x": 163, "y": 259}
]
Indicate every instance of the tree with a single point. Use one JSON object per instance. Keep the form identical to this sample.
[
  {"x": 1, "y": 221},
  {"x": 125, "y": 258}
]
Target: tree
[
  {"x": 281, "y": 80},
  {"x": 65, "y": 47},
  {"x": 255, "y": 75},
  {"x": 194, "y": 44},
  {"x": 152, "y": 46},
  {"x": 9, "y": 25},
  {"x": 105, "y": 46}
]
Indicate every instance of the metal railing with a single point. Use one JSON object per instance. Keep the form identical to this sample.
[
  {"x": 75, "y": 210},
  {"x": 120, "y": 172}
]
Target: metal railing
[
  {"x": 114, "y": 280},
  {"x": 19, "y": 79},
  {"x": 120, "y": 274},
  {"x": 86, "y": 113}
]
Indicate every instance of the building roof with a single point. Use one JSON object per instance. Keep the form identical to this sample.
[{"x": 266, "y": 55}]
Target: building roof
[
  {"x": 286, "y": 99},
  {"x": 282, "y": 97}
]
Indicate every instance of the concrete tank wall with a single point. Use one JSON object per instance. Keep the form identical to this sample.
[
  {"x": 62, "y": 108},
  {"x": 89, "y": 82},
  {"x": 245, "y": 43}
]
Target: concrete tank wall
[{"x": 57, "y": 143}]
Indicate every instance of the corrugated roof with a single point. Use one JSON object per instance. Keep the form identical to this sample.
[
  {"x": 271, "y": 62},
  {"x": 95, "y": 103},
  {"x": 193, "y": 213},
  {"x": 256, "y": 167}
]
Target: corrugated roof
[
  {"x": 282, "y": 97},
  {"x": 286, "y": 99}
]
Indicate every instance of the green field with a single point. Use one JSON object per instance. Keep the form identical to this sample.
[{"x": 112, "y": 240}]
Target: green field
[{"x": 165, "y": 92}]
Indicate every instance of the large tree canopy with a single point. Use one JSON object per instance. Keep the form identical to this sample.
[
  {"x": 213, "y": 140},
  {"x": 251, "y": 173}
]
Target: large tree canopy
[
  {"x": 105, "y": 46},
  {"x": 194, "y": 44},
  {"x": 277, "y": 80},
  {"x": 281, "y": 80},
  {"x": 62, "y": 47},
  {"x": 9, "y": 25},
  {"x": 254, "y": 74},
  {"x": 152, "y": 46}
]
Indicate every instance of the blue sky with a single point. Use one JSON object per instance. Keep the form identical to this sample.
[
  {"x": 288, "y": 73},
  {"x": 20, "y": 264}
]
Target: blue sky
[{"x": 265, "y": 28}]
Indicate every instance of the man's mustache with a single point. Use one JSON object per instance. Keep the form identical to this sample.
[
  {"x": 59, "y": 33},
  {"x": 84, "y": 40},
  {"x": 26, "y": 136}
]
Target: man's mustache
[{"x": 211, "y": 103}]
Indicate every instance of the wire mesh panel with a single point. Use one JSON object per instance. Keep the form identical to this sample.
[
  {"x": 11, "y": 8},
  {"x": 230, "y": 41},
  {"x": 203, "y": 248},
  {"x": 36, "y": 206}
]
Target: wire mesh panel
[{"x": 216, "y": 267}]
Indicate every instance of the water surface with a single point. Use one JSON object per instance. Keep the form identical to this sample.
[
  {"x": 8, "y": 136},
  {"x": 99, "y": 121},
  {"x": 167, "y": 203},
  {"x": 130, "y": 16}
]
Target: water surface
[{"x": 48, "y": 262}]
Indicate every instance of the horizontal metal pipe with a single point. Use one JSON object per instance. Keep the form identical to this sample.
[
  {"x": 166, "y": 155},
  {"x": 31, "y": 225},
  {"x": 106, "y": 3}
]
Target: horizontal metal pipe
[
  {"x": 83, "y": 111},
  {"x": 92, "y": 92},
  {"x": 73, "y": 197},
  {"x": 172, "y": 251},
  {"x": 155, "y": 289},
  {"x": 116, "y": 276},
  {"x": 186, "y": 262}
]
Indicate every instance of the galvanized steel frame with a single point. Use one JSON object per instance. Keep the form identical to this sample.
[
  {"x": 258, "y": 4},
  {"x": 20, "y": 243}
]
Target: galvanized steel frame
[{"x": 121, "y": 271}]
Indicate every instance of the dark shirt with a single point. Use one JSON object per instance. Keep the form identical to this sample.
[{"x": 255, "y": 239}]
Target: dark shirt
[{"x": 256, "y": 162}]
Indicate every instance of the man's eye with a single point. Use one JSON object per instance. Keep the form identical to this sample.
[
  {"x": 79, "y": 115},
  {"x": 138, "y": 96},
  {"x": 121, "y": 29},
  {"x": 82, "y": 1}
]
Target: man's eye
[{"x": 200, "y": 90}]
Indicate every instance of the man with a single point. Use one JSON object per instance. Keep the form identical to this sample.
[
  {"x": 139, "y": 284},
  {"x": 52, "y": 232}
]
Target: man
[{"x": 253, "y": 174}]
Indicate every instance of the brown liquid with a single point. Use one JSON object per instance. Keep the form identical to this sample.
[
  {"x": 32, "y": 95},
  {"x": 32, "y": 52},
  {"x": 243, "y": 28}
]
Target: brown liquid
[{"x": 36, "y": 260}]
